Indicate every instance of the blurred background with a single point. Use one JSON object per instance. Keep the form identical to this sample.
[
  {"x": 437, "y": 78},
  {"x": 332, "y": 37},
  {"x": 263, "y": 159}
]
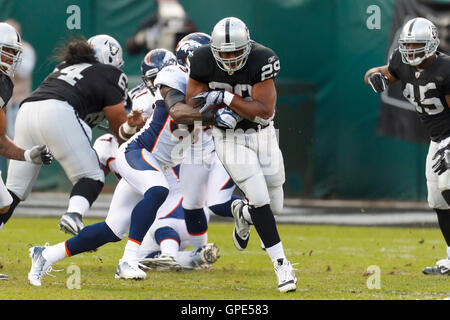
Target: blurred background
[{"x": 339, "y": 139}]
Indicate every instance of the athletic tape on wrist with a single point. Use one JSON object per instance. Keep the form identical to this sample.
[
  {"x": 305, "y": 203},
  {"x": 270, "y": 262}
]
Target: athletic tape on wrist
[{"x": 227, "y": 97}]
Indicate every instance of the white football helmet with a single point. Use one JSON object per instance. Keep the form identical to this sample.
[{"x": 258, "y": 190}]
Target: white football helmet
[
  {"x": 10, "y": 49},
  {"x": 418, "y": 30},
  {"x": 107, "y": 50},
  {"x": 230, "y": 35}
]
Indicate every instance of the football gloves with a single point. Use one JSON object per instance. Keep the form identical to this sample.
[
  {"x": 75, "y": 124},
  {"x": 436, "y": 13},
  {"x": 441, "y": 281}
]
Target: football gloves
[
  {"x": 377, "y": 81},
  {"x": 227, "y": 118},
  {"x": 442, "y": 157},
  {"x": 38, "y": 155},
  {"x": 208, "y": 98}
]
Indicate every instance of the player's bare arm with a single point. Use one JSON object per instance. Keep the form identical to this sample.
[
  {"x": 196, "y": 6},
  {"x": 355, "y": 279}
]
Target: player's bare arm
[
  {"x": 117, "y": 117},
  {"x": 7, "y": 147},
  {"x": 182, "y": 112},
  {"x": 264, "y": 98}
]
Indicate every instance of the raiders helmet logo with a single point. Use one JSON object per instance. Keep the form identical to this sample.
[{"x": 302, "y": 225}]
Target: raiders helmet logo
[{"x": 113, "y": 49}]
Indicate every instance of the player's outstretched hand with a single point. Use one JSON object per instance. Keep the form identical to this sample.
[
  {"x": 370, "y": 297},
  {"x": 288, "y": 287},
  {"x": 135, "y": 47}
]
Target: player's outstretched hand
[
  {"x": 38, "y": 155},
  {"x": 377, "y": 81},
  {"x": 208, "y": 98},
  {"x": 135, "y": 118},
  {"x": 442, "y": 157},
  {"x": 227, "y": 118}
]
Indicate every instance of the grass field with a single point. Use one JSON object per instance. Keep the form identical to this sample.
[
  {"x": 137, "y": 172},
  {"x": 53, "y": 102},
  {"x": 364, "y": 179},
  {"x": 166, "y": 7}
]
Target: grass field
[{"x": 331, "y": 263}]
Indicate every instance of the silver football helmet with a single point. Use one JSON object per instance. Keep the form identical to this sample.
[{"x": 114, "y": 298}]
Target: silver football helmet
[
  {"x": 10, "y": 49},
  {"x": 230, "y": 35},
  {"x": 418, "y": 30},
  {"x": 107, "y": 50}
]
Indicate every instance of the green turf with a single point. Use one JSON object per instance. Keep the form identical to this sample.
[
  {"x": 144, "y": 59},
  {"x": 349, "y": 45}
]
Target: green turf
[{"x": 331, "y": 263}]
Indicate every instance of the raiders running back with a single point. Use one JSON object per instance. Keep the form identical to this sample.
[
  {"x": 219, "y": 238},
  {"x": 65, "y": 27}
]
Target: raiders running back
[
  {"x": 86, "y": 87},
  {"x": 262, "y": 64},
  {"x": 426, "y": 90}
]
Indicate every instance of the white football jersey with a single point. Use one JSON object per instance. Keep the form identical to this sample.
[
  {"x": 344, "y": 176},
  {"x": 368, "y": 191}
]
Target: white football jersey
[
  {"x": 143, "y": 99},
  {"x": 106, "y": 147},
  {"x": 176, "y": 77}
]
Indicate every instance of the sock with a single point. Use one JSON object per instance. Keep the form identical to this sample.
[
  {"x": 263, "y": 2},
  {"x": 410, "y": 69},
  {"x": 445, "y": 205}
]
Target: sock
[
  {"x": 4, "y": 217},
  {"x": 144, "y": 213},
  {"x": 276, "y": 252},
  {"x": 197, "y": 227},
  {"x": 131, "y": 250},
  {"x": 224, "y": 209},
  {"x": 246, "y": 214},
  {"x": 170, "y": 247},
  {"x": 89, "y": 238},
  {"x": 186, "y": 259},
  {"x": 168, "y": 240},
  {"x": 55, "y": 253},
  {"x": 444, "y": 223},
  {"x": 86, "y": 188},
  {"x": 265, "y": 225},
  {"x": 78, "y": 204}
]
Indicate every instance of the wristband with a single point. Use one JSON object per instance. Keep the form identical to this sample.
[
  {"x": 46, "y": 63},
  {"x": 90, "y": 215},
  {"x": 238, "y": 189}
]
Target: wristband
[
  {"x": 127, "y": 129},
  {"x": 227, "y": 97},
  {"x": 27, "y": 156}
]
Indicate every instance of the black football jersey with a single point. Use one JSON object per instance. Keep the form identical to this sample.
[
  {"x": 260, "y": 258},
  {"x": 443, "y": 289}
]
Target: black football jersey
[
  {"x": 426, "y": 90},
  {"x": 262, "y": 64},
  {"x": 87, "y": 87},
  {"x": 6, "y": 90}
]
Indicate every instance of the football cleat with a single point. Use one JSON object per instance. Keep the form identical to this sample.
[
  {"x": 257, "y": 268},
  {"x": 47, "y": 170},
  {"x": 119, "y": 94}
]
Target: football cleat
[
  {"x": 71, "y": 223},
  {"x": 3, "y": 276},
  {"x": 441, "y": 267},
  {"x": 162, "y": 262},
  {"x": 241, "y": 231},
  {"x": 39, "y": 266},
  {"x": 127, "y": 269},
  {"x": 205, "y": 255},
  {"x": 287, "y": 282}
]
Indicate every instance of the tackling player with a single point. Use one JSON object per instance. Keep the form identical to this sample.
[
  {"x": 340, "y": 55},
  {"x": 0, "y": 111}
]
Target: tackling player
[
  {"x": 425, "y": 76},
  {"x": 240, "y": 73},
  {"x": 84, "y": 88},
  {"x": 204, "y": 180}
]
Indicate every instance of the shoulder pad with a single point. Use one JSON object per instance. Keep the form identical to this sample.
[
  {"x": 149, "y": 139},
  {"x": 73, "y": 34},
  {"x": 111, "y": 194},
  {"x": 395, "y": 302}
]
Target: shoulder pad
[{"x": 172, "y": 76}]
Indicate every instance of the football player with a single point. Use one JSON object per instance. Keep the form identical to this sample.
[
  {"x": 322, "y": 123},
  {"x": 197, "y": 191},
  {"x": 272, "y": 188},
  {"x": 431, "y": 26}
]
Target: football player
[
  {"x": 10, "y": 55},
  {"x": 425, "y": 76},
  {"x": 81, "y": 91},
  {"x": 232, "y": 78}
]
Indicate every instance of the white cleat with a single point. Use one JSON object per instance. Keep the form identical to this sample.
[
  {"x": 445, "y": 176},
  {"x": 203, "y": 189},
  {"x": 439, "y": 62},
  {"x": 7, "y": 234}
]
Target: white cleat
[
  {"x": 128, "y": 269},
  {"x": 39, "y": 266},
  {"x": 162, "y": 262},
  {"x": 71, "y": 223},
  {"x": 287, "y": 282},
  {"x": 441, "y": 267},
  {"x": 205, "y": 256},
  {"x": 241, "y": 231}
]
